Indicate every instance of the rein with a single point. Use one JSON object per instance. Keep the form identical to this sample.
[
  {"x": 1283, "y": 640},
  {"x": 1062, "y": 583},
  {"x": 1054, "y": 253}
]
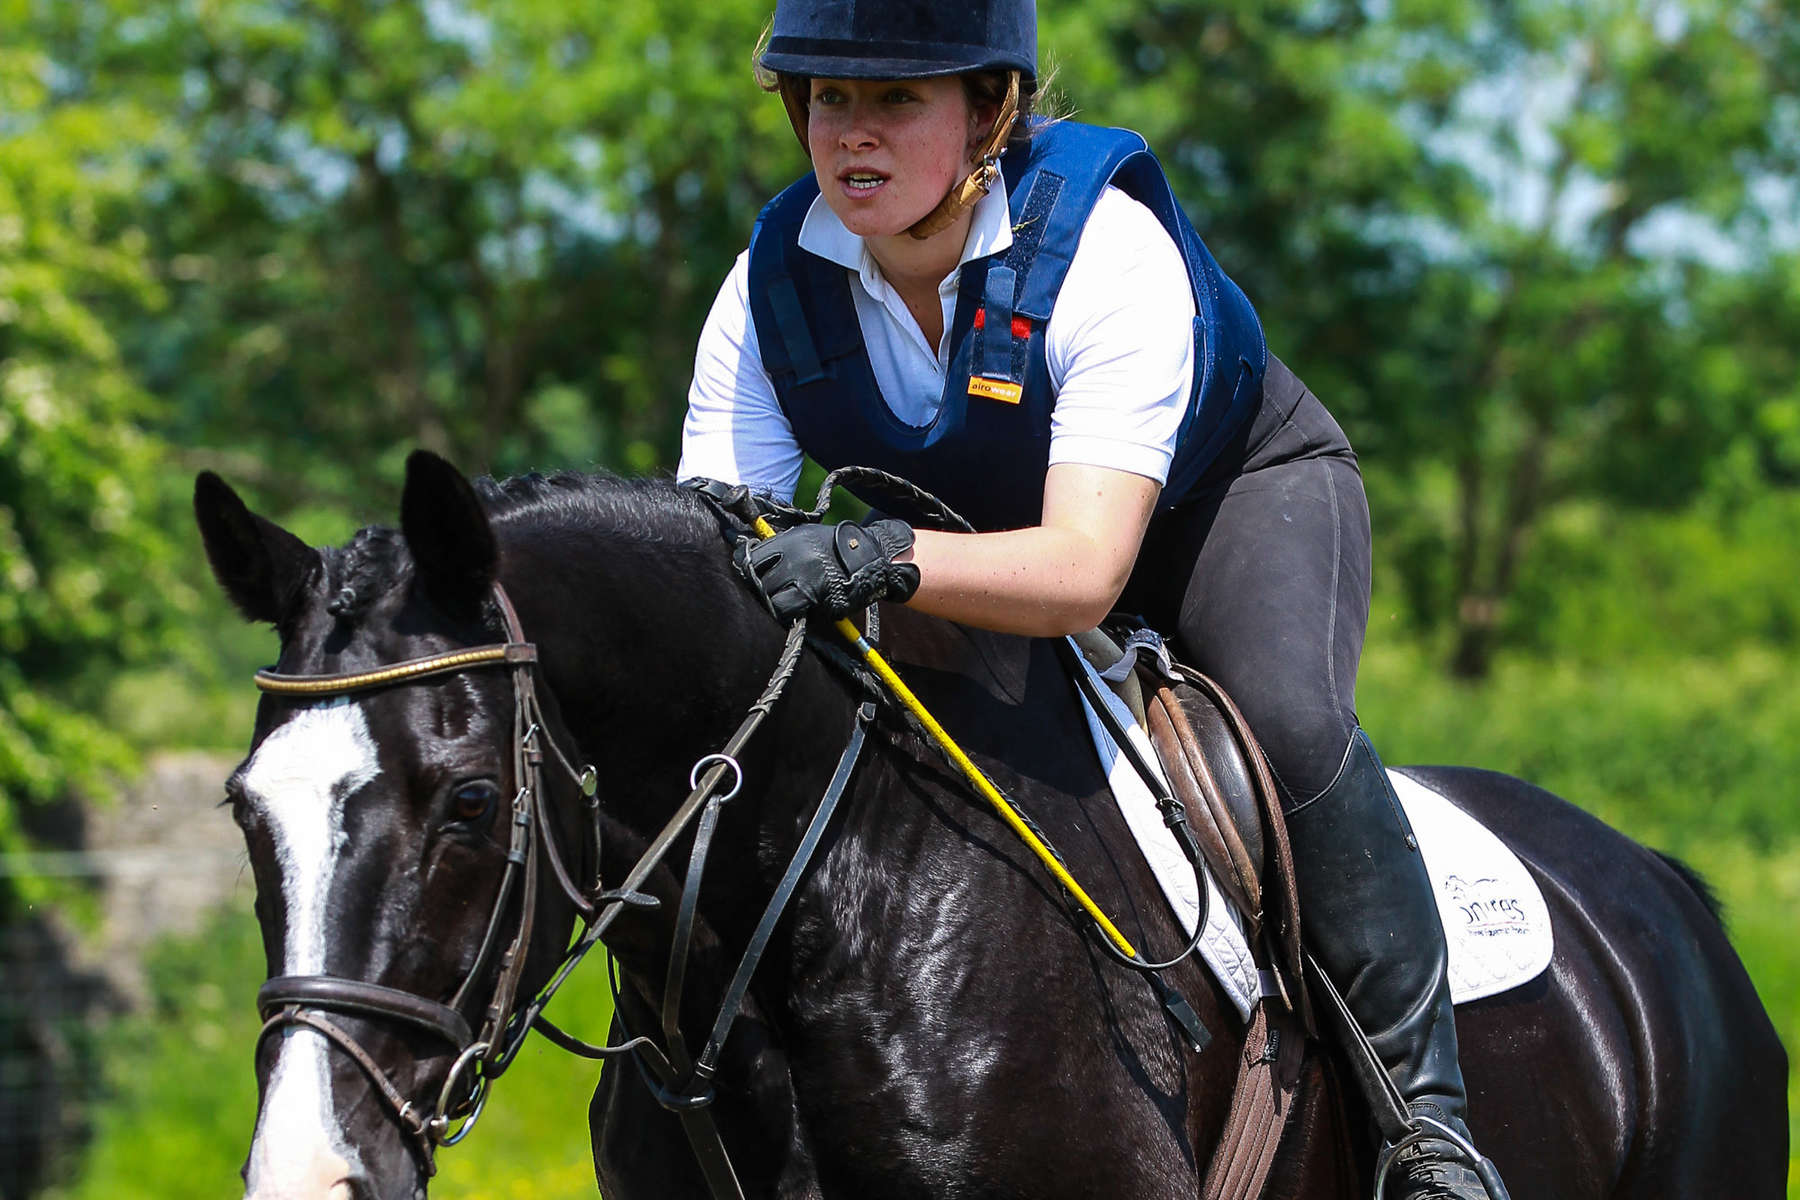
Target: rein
[{"x": 682, "y": 1080}]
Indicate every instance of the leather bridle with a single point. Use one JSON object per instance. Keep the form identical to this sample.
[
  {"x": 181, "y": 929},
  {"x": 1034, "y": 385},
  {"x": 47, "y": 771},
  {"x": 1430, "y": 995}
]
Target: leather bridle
[
  {"x": 679, "y": 1080},
  {"x": 482, "y": 1054}
]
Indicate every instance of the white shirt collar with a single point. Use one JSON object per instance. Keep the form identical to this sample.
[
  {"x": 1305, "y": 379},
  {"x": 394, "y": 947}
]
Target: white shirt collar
[{"x": 823, "y": 234}]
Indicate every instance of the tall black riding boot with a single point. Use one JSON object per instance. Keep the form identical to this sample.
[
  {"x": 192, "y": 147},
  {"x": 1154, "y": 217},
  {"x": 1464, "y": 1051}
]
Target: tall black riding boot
[{"x": 1372, "y": 923}]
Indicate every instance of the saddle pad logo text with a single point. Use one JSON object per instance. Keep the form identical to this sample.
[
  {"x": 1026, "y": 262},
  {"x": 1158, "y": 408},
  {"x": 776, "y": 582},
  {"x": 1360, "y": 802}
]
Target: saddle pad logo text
[{"x": 1488, "y": 907}]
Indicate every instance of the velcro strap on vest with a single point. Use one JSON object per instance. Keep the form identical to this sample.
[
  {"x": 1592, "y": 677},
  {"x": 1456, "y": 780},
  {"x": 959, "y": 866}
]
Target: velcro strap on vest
[
  {"x": 784, "y": 299},
  {"x": 996, "y": 353}
]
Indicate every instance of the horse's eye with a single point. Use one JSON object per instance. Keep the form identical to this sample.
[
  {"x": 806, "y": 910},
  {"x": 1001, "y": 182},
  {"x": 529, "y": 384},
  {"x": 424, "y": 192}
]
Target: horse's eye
[{"x": 474, "y": 801}]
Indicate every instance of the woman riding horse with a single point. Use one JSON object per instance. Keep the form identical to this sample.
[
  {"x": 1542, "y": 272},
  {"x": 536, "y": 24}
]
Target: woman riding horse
[{"x": 1016, "y": 315}]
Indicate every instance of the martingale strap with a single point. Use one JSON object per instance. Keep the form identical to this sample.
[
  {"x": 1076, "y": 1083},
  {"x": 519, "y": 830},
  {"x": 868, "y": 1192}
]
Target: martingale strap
[
  {"x": 678, "y": 1081},
  {"x": 707, "y": 1063}
]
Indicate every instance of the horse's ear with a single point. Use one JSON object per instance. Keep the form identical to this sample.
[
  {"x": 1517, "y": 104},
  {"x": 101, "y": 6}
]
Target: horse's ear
[
  {"x": 261, "y": 566},
  {"x": 454, "y": 553}
]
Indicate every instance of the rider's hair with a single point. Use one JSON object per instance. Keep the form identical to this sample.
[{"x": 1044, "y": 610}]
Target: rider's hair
[{"x": 981, "y": 87}]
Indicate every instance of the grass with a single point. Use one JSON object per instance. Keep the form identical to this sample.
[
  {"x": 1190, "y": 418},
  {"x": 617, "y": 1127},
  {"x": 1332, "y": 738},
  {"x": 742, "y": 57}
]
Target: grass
[{"x": 181, "y": 1096}]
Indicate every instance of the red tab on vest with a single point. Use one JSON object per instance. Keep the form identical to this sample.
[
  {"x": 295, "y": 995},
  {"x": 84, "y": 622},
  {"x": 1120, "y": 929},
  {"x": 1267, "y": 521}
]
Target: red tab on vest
[{"x": 1021, "y": 326}]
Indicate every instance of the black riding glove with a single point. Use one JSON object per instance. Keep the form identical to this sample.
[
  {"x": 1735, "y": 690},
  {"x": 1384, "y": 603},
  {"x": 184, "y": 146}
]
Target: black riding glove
[{"x": 830, "y": 570}]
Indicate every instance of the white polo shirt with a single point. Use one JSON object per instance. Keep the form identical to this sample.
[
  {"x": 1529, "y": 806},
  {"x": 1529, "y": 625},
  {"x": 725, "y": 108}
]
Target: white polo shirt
[{"x": 1119, "y": 343}]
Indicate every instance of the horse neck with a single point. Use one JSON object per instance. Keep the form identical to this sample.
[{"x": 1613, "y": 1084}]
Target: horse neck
[{"x": 654, "y": 659}]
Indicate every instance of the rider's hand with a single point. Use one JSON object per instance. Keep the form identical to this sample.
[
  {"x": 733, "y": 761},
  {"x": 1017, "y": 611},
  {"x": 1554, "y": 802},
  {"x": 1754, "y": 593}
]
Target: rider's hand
[{"x": 830, "y": 570}]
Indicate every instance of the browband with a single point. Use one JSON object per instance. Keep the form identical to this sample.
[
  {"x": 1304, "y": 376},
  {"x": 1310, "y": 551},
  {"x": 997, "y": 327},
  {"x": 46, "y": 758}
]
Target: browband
[{"x": 510, "y": 654}]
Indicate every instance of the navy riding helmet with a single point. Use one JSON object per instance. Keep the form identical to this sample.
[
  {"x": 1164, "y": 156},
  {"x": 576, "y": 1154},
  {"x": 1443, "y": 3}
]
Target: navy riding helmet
[{"x": 902, "y": 39}]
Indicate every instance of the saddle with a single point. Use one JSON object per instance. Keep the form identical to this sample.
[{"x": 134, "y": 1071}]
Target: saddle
[{"x": 1217, "y": 770}]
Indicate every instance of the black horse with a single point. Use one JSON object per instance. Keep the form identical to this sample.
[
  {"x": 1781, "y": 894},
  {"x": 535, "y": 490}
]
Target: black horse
[{"x": 931, "y": 1018}]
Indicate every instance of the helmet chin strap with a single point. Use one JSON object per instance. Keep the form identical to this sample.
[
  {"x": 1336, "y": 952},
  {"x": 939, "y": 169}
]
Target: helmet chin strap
[
  {"x": 976, "y": 184},
  {"x": 973, "y": 187}
]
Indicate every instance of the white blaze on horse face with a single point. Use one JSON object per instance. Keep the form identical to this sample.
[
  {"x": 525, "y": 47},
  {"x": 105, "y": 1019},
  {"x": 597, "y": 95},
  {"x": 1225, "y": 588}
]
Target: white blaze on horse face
[{"x": 298, "y": 781}]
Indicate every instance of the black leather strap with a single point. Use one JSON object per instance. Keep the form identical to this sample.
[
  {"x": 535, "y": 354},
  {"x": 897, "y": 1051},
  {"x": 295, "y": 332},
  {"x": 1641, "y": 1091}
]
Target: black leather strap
[
  {"x": 1174, "y": 816},
  {"x": 363, "y": 999},
  {"x": 705, "y": 1065},
  {"x": 1387, "y": 1107},
  {"x": 696, "y": 1121},
  {"x": 680, "y": 944},
  {"x": 677, "y": 1083}
]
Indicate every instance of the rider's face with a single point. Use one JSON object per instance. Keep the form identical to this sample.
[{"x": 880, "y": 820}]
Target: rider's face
[{"x": 886, "y": 151}]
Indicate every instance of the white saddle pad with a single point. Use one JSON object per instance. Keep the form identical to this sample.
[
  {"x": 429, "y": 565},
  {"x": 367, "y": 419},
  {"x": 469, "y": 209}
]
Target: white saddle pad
[{"x": 1495, "y": 921}]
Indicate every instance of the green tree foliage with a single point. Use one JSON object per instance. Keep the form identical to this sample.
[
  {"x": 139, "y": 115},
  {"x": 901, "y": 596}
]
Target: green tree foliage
[
  {"x": 88, "y": 579},
  {"x": 491, "y": 229},
  {"x": 1756, "y": 353},
  {"x": 1495, "y": 237},
  {"x": 87, "y": 568},
  {"x": 1540, "y": 257}
]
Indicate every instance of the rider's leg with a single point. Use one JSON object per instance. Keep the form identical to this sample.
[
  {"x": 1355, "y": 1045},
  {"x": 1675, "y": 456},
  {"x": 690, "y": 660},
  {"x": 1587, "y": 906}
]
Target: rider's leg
[
  {"x": 1372, "y": 922},
  {"x": 1265, "y": 579}
]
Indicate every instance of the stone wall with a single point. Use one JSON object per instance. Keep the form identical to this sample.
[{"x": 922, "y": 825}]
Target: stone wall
[{"x": 155, "y": 861}]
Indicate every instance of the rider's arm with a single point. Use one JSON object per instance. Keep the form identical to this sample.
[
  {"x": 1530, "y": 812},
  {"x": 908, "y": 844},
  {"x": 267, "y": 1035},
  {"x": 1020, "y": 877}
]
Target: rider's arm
[
  {"x": 1120, "y": 348},
  {"x": 1061, "y": 576},
  {"x": 735, "y": 430}
]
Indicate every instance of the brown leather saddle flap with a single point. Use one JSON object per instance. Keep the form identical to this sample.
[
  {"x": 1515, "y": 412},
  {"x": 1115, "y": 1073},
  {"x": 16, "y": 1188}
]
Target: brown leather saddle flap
[
  {"x": 1218, "y": 772},
  {"x": 1207, "y": 771}
]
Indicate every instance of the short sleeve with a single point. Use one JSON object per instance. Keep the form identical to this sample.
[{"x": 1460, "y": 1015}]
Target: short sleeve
[
  {"x": 735, "y": 430},
  {"x": 1120, "y": 343}
]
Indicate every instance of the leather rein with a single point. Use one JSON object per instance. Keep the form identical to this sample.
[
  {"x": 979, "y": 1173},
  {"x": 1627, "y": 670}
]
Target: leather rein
[{"x": 678, "y": 1079}]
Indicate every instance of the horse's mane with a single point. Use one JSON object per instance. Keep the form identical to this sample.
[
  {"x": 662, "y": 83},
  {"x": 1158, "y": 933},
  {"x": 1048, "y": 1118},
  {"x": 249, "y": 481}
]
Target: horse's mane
[
  {"x": 369, "y": 564},
  {"x": 651, "y": 509}
]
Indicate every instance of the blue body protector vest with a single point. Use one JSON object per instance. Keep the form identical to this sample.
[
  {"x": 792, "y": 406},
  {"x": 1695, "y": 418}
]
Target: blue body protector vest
[{"x": 988, "y": 449}]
